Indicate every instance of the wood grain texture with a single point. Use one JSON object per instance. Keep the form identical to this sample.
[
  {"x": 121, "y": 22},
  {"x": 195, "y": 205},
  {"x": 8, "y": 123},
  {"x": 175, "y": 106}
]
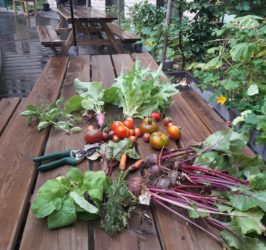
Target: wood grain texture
[
  {"x": 141, "y": 234},
  {"x": 76, "y": 236},
  {"x": 17, "y": 170},
  {"x": 7, "y": 109}
]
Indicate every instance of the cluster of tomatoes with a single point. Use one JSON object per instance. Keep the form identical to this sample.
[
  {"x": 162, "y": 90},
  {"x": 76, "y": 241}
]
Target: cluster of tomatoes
[
  {"x": 124, "y": 130},
  {"x": 148, "y": 129}
]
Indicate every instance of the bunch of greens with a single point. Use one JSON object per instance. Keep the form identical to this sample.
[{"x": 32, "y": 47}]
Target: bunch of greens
[
  {"x": 52, "y": 114},
  {"x": 217, "y": 183},
  {"x": 139, "y": 92},
  {"x": 119, "y": 206},
  {"x": 65, "y": 199},
  {"x": 111, "y": 153},
  {"x": 90, "y": 98}
]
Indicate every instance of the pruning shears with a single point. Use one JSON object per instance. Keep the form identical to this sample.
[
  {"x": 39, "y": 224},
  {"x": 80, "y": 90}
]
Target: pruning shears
[{"x": 68, "y": 157}]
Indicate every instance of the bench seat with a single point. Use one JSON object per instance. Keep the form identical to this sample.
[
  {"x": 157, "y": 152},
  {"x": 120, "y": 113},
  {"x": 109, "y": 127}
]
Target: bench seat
[
  {"x": 125, "y": 36},
  {"x": 48, "y": 36}
]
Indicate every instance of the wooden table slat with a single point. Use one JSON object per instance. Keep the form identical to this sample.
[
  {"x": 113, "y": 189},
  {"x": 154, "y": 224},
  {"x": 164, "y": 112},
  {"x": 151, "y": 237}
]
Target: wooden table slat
[
  {"x": 36, "y": 234},
  {"x": 7, "y": 108},
  {"x": 20, "y": 144}
]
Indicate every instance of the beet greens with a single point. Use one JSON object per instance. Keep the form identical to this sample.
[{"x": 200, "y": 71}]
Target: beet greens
[{"x": 213, "y": 181}]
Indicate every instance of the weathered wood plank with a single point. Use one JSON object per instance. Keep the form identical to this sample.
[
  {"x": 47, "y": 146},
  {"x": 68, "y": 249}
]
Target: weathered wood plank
[
  {"x": 19, "y": 145},
  {"x": 76, "y": 236},
  {"x": 102, "y": 70},
  {"x": 7, "y": 109}
]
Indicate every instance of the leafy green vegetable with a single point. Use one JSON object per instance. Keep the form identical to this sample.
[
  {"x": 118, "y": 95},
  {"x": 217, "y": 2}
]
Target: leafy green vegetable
[
  {"x": 140, "y": 92},
  {"x": 223, "y": 150},
  {"x": 62, "y": 200},
  {"x": 119, "y": 206},
  {"x": 114, "y": 150},
  {"x": 52, "y": 114}
]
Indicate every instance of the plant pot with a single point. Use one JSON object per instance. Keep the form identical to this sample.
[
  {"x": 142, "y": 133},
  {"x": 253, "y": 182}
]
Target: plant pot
[
  {"x": 46, "y": 7},
  {"x": 253, "y": 134},
  {"x": 168, "y": 65}
]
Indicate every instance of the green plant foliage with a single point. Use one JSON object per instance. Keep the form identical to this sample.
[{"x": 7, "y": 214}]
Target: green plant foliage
[
  {"x": 52, "y": 114},
  {"x": 237, "y": 69},
  {"x": 63, "y": 201}
]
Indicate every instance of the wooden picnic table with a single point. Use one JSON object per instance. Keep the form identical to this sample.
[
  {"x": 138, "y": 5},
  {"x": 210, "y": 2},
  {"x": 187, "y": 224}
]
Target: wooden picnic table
[
  {"x": 19, "y": 181},
  {"x": 89, "y": 21}
]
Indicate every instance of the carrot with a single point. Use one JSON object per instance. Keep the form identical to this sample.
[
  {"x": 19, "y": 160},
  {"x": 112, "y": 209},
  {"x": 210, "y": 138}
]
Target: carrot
[
  {"x": 123, "y": 161},
  {"x": 135, "y": 166}
]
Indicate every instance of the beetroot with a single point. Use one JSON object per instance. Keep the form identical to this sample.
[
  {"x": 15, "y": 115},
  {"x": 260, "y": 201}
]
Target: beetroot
[{"x": 134, "y": 185}]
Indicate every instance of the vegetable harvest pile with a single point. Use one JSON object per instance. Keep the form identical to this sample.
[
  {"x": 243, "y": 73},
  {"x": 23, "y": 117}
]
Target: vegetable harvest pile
[{"x": 212, "y": 180}]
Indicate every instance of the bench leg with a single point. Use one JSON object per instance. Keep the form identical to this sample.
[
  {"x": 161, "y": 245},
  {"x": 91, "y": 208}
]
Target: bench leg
[
  {"x": 68, "y": 43},
  {"x": 35, "y": 8},
  {"x": 15, "y": 7},
  {"x": 26, "y": 10},
  {"x": 115, "y": 43}
]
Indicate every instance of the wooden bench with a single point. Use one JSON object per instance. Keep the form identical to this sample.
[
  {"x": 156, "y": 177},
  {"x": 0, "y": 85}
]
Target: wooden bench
[
  {"x": 125, "y": 36},
  {"x": 49, "y": 37}
]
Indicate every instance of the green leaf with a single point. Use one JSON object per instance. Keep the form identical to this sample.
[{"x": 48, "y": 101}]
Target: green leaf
[
  {"x": 132, "y": 153},
  {"x": 206, "y": 158},
  {"x": 194, "y": 214},
  {"x": 63, "y": 217},
  {"x": 253, "y": 90},
  {"x": 74, "y": 174},
  {"x": 27, "y": 113},
  {"x": 245, "y": 200},
  {"x": 248, "y": 222},
  {"x": 79, "y": 200},
  {"x": 42, "y": 125},
  {"x": 95, "y": 183},
  {"x": 48, "y": 198},
  {"x": 218, "y": 141},
  {"x": 258, "y": 182},
  {"x": 244, "y": 51},
  {"x": 73, "y": 104},
  {"x": 75, "y": 130},
  {"x": 242, "y": 242}
]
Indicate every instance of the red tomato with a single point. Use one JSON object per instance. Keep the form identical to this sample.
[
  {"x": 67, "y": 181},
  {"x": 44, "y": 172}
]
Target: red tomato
[
  {"x": 115, "y": 138},
  {"x": 93, "y": 136},
  {"x": 122, "y": 131},
  {"x": 90, "y": 127},
  {"x": 129, "y": 123},
  {"x": 146, "y": 137},
  {"x": 133, "y": 138},
  {"x": 174, "y": 132},
  {"x": 115, "y": 124},
  {"x": 131, "y": 132},
  {"x": 170, "y": 124},
  {"x": 156, "y": 116},
  {"x": 105, "y": 135},
  {"x": 137, "y": 132},
  {"x": 166, "y": 120}
]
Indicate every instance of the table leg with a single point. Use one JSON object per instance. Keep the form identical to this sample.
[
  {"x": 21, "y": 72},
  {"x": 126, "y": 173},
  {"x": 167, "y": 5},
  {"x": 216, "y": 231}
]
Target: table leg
[
  {"x": 116, "y": 43},
  {"x": 68, "y": 43}
]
